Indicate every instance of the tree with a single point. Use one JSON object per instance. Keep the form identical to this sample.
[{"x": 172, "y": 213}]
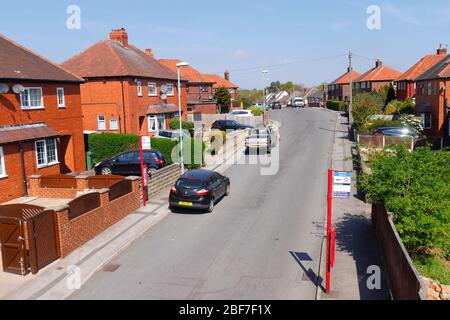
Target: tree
[
  {"x": 223, "y": 99},
  {"x": 274, "y": 87},
  {"x": 366, "y": 105},
  {"x": 288, "y": 86},
  {"x": 387, "y": 92}
]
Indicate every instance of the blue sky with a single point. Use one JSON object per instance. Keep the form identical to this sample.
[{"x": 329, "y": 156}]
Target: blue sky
[{"x": 300, "y": 40}]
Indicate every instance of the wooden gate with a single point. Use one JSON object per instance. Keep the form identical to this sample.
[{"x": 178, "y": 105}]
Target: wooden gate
[
  {"x": 28, "y": 238},
  {"x": 13, "y": 246}
]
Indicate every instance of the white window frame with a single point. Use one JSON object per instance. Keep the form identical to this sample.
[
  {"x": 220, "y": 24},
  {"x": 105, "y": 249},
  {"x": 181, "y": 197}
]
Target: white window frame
[
  {"x": 204, "y": 88},
  {"x": 430, "y": 88},
  {"x": 63, "y": 104},
  {"x": 152, "y": 85},
  {"x": 113, "y": 124},
  {"x": 3, "y": 173},
  {"x": 158, "y": 118},
  {"x": 139, "y": 88},
  {"x": 27, "y": 91},
  {"x": 46, "y": 164},
  {"x": 98, "y": 123},
  {"x": 424, "y": 122},
  {"x": 170, "y": 85}
]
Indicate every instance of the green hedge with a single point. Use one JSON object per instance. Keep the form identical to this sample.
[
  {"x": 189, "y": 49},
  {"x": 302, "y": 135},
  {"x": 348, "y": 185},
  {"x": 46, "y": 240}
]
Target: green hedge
[
  {"x": 105, "y": 146},
  {"x": 337, "y": 105}
]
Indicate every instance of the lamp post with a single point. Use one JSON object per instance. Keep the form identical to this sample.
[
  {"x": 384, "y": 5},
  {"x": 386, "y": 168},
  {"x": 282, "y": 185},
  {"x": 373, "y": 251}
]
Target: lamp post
[
  {"x": 264, "y": 73},
  {"x": 179, "y": 65}
]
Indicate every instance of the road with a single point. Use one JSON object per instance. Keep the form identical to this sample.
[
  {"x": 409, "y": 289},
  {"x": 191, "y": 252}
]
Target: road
[{"x": 262, "y": 242}]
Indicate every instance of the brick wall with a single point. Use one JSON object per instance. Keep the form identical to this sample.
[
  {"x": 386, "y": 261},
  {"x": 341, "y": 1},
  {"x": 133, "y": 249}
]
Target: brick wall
[
  {"x": 163, "y": 179},
  {"x": 74, "y": 233},
  {"x": 36, "y": 190}
]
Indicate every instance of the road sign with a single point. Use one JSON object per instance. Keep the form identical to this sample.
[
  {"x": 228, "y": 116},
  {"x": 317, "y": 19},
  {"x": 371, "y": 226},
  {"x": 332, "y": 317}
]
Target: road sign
[
  {"x": 146, "y": 143},
  {"x": 342, "y": 184},
  {"x": 145, "y": 175}
]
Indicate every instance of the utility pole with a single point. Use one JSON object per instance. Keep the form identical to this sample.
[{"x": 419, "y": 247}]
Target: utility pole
[{"x": 350, "y": 108}]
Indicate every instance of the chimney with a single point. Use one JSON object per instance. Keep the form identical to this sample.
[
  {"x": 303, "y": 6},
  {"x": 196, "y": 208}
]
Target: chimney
[
  {"x": 119, "y": 35},
  {"x": 227, "y": 75},
  {"x": 441, "y": 50},
  {"x": 378, "y": 63},
  {"x": 149, "y": 53}
]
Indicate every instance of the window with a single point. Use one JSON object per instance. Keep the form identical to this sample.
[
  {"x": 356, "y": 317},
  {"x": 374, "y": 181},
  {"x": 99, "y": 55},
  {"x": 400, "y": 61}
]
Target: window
[
  {"x": 2, "y": 164},
  {"x": 126, "y": 157},
  {"x": 101, "y": 123},
  {"x": 203, "y": 88},
  {"x": 170, "y": 91},
  {"x": 113, "y": 125},
  {"x": 139, "y": 88},
  {"x": 46, "y": 152},
  {"x": 152, "y": 91},
  {"x": 156, "y": 123},
  {"x": 436, "y": 88},
  {"x": 31, "y": 98},
  {"x": 430, "y": 88},
  {"x": 60, "y": 96},
  {"x": 363, "y": 85},
  {"x": 422, "y": 88},
  {"x": 426, "y": 120}
]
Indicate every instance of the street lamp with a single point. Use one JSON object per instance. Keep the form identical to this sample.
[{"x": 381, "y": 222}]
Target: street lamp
[
  {"x": 179, "y": 66},
  {"x": 264, "y": 73}
]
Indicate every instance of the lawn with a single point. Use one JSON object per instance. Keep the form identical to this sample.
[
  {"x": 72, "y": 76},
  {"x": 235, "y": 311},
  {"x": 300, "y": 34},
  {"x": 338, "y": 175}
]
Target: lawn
[{"x": 433, "y": 267}]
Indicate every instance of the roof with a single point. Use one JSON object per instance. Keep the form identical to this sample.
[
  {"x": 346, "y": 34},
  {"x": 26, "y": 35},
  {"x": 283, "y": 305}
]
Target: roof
[
  {"x": 439, "y": 70},
  {"x": 20, "y": 63},
  {"x": 189, "y": 73},
  {"x": 221, "y": 82},
  {"x": 25, "y": 132},
  {"x": 420, "y": 67},
  {"x": 380, "y": 73},
  {"x": 162, "y": 108},
  {"x": 345, "y": 78},
  {"x": 109, "y": 58}
]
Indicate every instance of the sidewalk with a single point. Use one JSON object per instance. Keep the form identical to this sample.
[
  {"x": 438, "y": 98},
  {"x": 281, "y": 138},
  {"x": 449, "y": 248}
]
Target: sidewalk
[
  {"x": 356, "y": 243},
  {"x": 51, "y": 283}
]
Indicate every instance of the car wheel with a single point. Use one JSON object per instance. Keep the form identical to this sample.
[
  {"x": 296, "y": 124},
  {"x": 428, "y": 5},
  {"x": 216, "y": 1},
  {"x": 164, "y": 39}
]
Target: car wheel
[
  {"x": 228, "y": 190},
  {"x": 211, "y": 206},
  {"x": 106, "y": 171},
  {"x": 269, "y": 150}
]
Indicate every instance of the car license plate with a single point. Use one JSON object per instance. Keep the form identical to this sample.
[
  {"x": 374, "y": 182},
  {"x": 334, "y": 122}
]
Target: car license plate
[{"x": 186, "y": 204}]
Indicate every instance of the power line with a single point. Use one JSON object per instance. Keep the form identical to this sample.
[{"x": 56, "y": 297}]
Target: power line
[{"x": 374, "y": 59}]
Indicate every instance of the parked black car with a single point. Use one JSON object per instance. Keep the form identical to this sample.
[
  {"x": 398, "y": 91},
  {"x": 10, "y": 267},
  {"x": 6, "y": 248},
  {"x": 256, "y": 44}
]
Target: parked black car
[
  {"x": 276, "y": 105},
  {"x": 225, "y": 125},
  {"x": 199, "y": 189},
  {"x": 128, "y": 163}
]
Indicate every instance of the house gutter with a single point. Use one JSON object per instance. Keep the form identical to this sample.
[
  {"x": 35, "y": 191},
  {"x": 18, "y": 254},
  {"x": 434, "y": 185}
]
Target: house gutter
[
  {"x": 24, "y": 175},
  {"x": 123, "y": 108}
]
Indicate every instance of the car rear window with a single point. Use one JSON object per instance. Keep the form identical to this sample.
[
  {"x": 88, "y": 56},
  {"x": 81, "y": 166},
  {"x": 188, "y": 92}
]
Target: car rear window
[{"x": 190, "y": 184}]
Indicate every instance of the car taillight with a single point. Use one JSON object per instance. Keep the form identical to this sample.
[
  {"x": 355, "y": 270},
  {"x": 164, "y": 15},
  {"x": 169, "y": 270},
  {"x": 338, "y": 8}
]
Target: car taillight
[
  {"x": 202, "y": 192},
  {"x": 159, "y": 161},
  {"x": 174, "y": 190},
  {"x": 379, "y": 133}
]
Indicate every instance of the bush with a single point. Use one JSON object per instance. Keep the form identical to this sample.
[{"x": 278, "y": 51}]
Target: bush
[
  {"x": 372, "y": 126},
  {"x": 393, "y": 107},
  {"x": 337, "y": 105},
  {"x": 215, "y": 134},
  {"x": 407, "y": 107},
  {"x": 366, "y": 105},
  {"x": 256, "y": 111},
  {"x": 415, "y": 187},
  {"x": 105, "y": 145},
  {"x": 186, "y": 125}
]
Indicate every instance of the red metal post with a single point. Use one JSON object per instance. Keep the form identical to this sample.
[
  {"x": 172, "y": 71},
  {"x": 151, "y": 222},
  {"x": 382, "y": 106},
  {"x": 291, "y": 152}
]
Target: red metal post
[
  {"x": 329, "y": 231},
  {"x": 333, "y": 247},
  {"x": 141, "y": 155}
]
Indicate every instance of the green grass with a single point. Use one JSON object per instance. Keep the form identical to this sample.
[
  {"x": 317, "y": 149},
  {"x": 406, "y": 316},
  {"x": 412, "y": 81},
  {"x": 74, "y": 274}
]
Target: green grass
[{"x": 432, "y": 267}]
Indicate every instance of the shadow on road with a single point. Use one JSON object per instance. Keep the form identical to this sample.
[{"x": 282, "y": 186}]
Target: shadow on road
[{"x": 301, "y": 257}]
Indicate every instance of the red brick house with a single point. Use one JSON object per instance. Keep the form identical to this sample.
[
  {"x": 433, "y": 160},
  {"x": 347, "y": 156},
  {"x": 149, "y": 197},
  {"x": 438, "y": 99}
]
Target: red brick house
[
  {"x": 432, "y": 96},
  {"x": 339, "y": 89},
  {"x": 41, "y": 120},
  {"x": 200, "y": 95},
  {"x": 225, "y": 82},
  {"x": 126, "y": 89},
  {"x": 406, "y": 85},
  {"x": 376, "y": 78}
]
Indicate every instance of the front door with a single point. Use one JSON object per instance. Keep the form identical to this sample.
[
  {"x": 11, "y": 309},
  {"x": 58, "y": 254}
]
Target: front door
[{"x": 13, "y": 246}]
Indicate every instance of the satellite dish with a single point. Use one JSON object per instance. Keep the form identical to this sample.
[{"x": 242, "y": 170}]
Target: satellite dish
[
  {"x": 18, "y": 88},
  {"x": 164, "y": 89},
  {"x": 3, "y": 88},
  {"x": 164, "y": 96}
]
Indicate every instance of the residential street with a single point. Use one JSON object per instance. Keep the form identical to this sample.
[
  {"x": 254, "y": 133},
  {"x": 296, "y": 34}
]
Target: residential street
[{"x": 262, "y": 242}]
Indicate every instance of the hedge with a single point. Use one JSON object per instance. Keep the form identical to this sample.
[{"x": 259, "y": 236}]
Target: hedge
[
  {"x": 337, "y": 105},
  {"x": 105, "y": 146}
]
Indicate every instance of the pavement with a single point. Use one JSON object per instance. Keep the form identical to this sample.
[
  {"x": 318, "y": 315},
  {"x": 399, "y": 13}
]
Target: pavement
[
  {"x": 356, "y": 242},
  {"x": 262, "y": 242}
]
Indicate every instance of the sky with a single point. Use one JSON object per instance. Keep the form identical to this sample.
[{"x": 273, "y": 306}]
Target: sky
[{"x": 305, "y": 41}]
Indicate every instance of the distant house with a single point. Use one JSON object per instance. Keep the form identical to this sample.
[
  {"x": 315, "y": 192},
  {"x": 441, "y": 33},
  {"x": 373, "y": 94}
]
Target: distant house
[
  {"x": 126, "y": 89},
  {"x": 225, "y": 82},
  {"x": 317, "y": 99},
  {"x": 376, "y": 78},
  {"x": 406, "y": 85},
  {"x": 40, "y": 119},
  {"x": 200, "y": 95},
  {"x": 339, "y": 89},
  {"x": 432, "y": 96}
]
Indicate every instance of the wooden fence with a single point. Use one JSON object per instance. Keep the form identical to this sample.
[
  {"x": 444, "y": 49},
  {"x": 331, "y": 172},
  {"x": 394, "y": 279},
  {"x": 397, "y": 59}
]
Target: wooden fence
[
  {"x": 83, "y": 204},
  {"x": 103, "y": 182},
  {"x": 59, "y": 181},
  {"x": 380, "y": 142},
  {"x": 120, "y": 189}
]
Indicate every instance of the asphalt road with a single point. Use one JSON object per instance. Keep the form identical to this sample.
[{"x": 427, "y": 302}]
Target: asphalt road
[{"x": 261, "y": 242}]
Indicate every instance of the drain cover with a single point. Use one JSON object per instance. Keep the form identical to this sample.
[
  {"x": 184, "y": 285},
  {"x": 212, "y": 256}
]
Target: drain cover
[{"x": 111, "y": 267}]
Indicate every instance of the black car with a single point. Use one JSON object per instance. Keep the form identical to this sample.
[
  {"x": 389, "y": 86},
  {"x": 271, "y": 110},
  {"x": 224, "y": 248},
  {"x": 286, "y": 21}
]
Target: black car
[
  {"x": 276, "y": 105},
  {"x": 225, "y": 125},
  {"x": 128, "y": 163},
  {"x": 199, "y": 189}
]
